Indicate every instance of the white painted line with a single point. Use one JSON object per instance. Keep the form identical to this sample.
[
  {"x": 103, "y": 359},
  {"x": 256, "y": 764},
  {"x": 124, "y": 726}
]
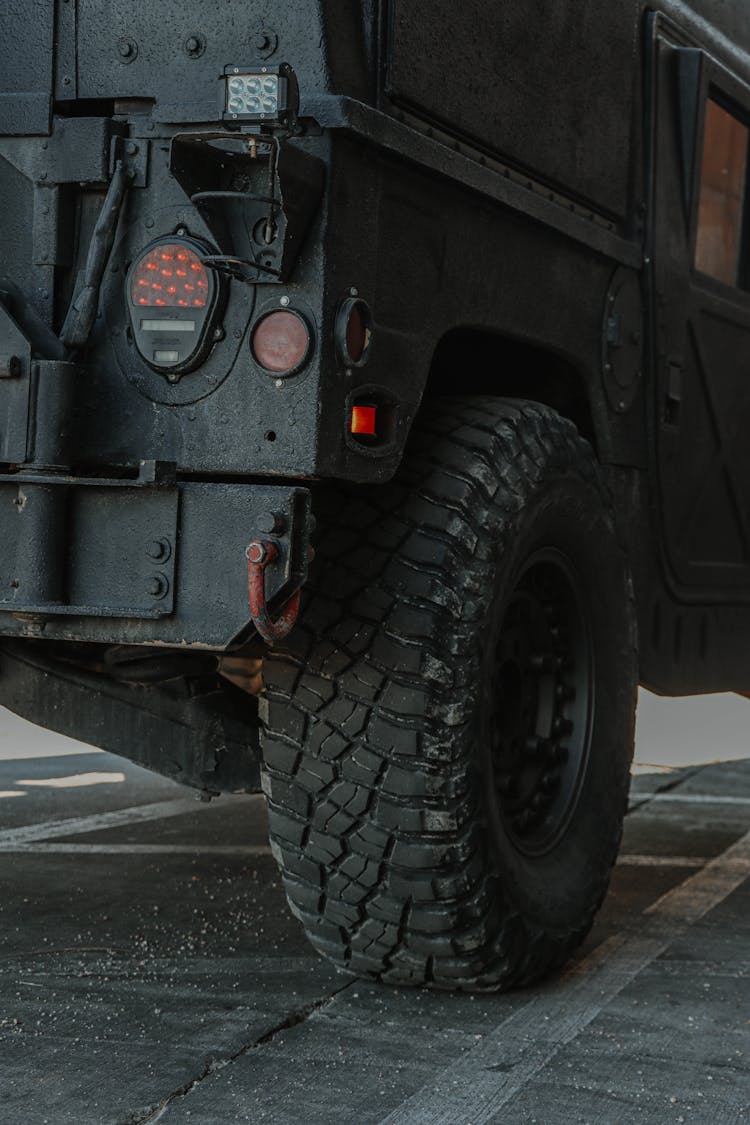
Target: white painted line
[
  {"x": 64, "y": 848},
  {"x": 24, "y": 752},
  {"x": 135, "y": 814},
  {"x": 471, "y": 1090},
  {"x": 76, "y": 780},
  {"x": 50, "y": 829},
  {"x": 689, "y": 799},
  {"x": 11, "y": 793},
  {"x": 663, "y": 860}
]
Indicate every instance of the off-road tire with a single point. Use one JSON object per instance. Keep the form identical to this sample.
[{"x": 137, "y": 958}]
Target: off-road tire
[{"x": 397, "y": 854}]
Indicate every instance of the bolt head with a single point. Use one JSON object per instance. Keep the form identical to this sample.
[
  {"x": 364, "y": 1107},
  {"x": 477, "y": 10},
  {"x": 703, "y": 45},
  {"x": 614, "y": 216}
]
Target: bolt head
[
  {"x": 125, "y": 49},
  {"x": 271, "y": 523},
  {"x": 193, "y": 44},
  {"x": 256, "y": 553},
  {"x": 158, "y": 549},
  {"x": 157, "y": 586}
]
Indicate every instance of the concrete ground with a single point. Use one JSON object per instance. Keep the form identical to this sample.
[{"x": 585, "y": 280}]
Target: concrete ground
[{"x": 150, "y": 970}]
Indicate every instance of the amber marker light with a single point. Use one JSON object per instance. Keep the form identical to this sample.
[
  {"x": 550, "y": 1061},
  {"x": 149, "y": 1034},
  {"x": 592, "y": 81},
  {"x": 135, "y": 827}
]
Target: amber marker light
[
  {"x": 281, "y": 342},
  {"x": 364, "y": 421}
]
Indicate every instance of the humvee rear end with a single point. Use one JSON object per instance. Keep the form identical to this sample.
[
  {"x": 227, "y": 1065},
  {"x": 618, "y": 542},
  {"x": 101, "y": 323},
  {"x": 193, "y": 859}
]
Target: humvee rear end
[{"x": 371, "y": 377}]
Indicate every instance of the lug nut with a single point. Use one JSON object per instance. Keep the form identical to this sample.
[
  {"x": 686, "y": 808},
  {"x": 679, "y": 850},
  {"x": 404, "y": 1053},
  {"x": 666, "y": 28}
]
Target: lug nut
[
  {"x": 562, "y": 726},
  {"x": 550, "y": 782},
  {"x": 536, "y": 746},
  {"x": 566, "y": 693}
]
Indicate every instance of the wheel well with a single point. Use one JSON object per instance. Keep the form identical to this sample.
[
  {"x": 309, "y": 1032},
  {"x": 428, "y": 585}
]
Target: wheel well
[{"x": 502, "y": 366}]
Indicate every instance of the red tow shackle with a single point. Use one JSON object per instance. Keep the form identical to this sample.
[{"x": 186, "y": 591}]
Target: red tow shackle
[{"x": 259, "y": 555}]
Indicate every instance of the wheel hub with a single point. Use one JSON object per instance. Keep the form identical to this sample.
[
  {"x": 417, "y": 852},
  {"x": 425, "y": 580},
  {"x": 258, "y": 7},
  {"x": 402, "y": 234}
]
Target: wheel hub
[{"x": 541, "y": 704}]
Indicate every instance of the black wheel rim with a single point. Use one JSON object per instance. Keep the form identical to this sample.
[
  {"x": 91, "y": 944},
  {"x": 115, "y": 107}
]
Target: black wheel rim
[{"x": 543, "y": 693}]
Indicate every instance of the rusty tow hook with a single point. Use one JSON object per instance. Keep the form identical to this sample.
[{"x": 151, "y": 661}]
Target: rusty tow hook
[{"x": 259, "y": 555}]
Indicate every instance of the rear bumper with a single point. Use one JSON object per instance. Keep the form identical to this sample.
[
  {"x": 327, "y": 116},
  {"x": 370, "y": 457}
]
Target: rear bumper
[{"x": 147, "y": 561}]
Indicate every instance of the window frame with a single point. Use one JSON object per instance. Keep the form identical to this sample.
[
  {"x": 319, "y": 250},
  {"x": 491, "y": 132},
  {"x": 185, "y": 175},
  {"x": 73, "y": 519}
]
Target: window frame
[{"x": 733, "y": 96}]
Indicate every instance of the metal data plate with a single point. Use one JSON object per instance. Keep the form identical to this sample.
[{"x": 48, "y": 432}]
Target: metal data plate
[{"x": 86, "y": 550}]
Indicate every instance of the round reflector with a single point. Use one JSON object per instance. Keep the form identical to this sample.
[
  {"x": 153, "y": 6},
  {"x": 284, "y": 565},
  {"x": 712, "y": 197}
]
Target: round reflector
[
  {"x": 353, "y": 332},
  {"x": 281, "y": 342}
]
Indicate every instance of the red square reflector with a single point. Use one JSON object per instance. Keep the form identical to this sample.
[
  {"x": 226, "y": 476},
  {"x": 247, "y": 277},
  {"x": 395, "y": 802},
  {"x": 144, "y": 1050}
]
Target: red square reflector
[{"x": 364, "y": 420}]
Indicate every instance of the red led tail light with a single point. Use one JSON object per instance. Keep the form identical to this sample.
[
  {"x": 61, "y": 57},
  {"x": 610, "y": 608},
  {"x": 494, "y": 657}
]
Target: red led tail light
[
  {"x": 170, "y": 275},
  {"x": 172, "y": 299}
]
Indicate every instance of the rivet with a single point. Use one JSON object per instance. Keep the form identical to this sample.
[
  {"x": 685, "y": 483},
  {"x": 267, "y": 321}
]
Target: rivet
[{"x": 284, "y": 301}]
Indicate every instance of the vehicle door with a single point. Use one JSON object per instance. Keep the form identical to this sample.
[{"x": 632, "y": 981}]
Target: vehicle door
[{"x": 701, "y": 318}]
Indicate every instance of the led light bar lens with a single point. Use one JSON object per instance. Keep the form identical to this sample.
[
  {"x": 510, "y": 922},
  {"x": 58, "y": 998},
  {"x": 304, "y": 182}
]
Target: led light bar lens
[{"x": 261, "y": 96}]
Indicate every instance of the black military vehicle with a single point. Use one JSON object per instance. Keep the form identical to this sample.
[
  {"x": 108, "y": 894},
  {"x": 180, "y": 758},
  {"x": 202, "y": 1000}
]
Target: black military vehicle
[{"x": 374, "y": 402}]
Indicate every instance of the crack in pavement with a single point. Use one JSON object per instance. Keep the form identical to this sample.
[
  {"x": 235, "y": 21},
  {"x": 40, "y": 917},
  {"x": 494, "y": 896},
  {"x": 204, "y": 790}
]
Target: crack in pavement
[
  {"x": 640, "y": 800},
  {"x": 294, "y": 1019}
]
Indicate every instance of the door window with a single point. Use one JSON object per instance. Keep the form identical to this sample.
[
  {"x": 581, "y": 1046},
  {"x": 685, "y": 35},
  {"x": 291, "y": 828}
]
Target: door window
[{"x": 722, "y": 196}]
